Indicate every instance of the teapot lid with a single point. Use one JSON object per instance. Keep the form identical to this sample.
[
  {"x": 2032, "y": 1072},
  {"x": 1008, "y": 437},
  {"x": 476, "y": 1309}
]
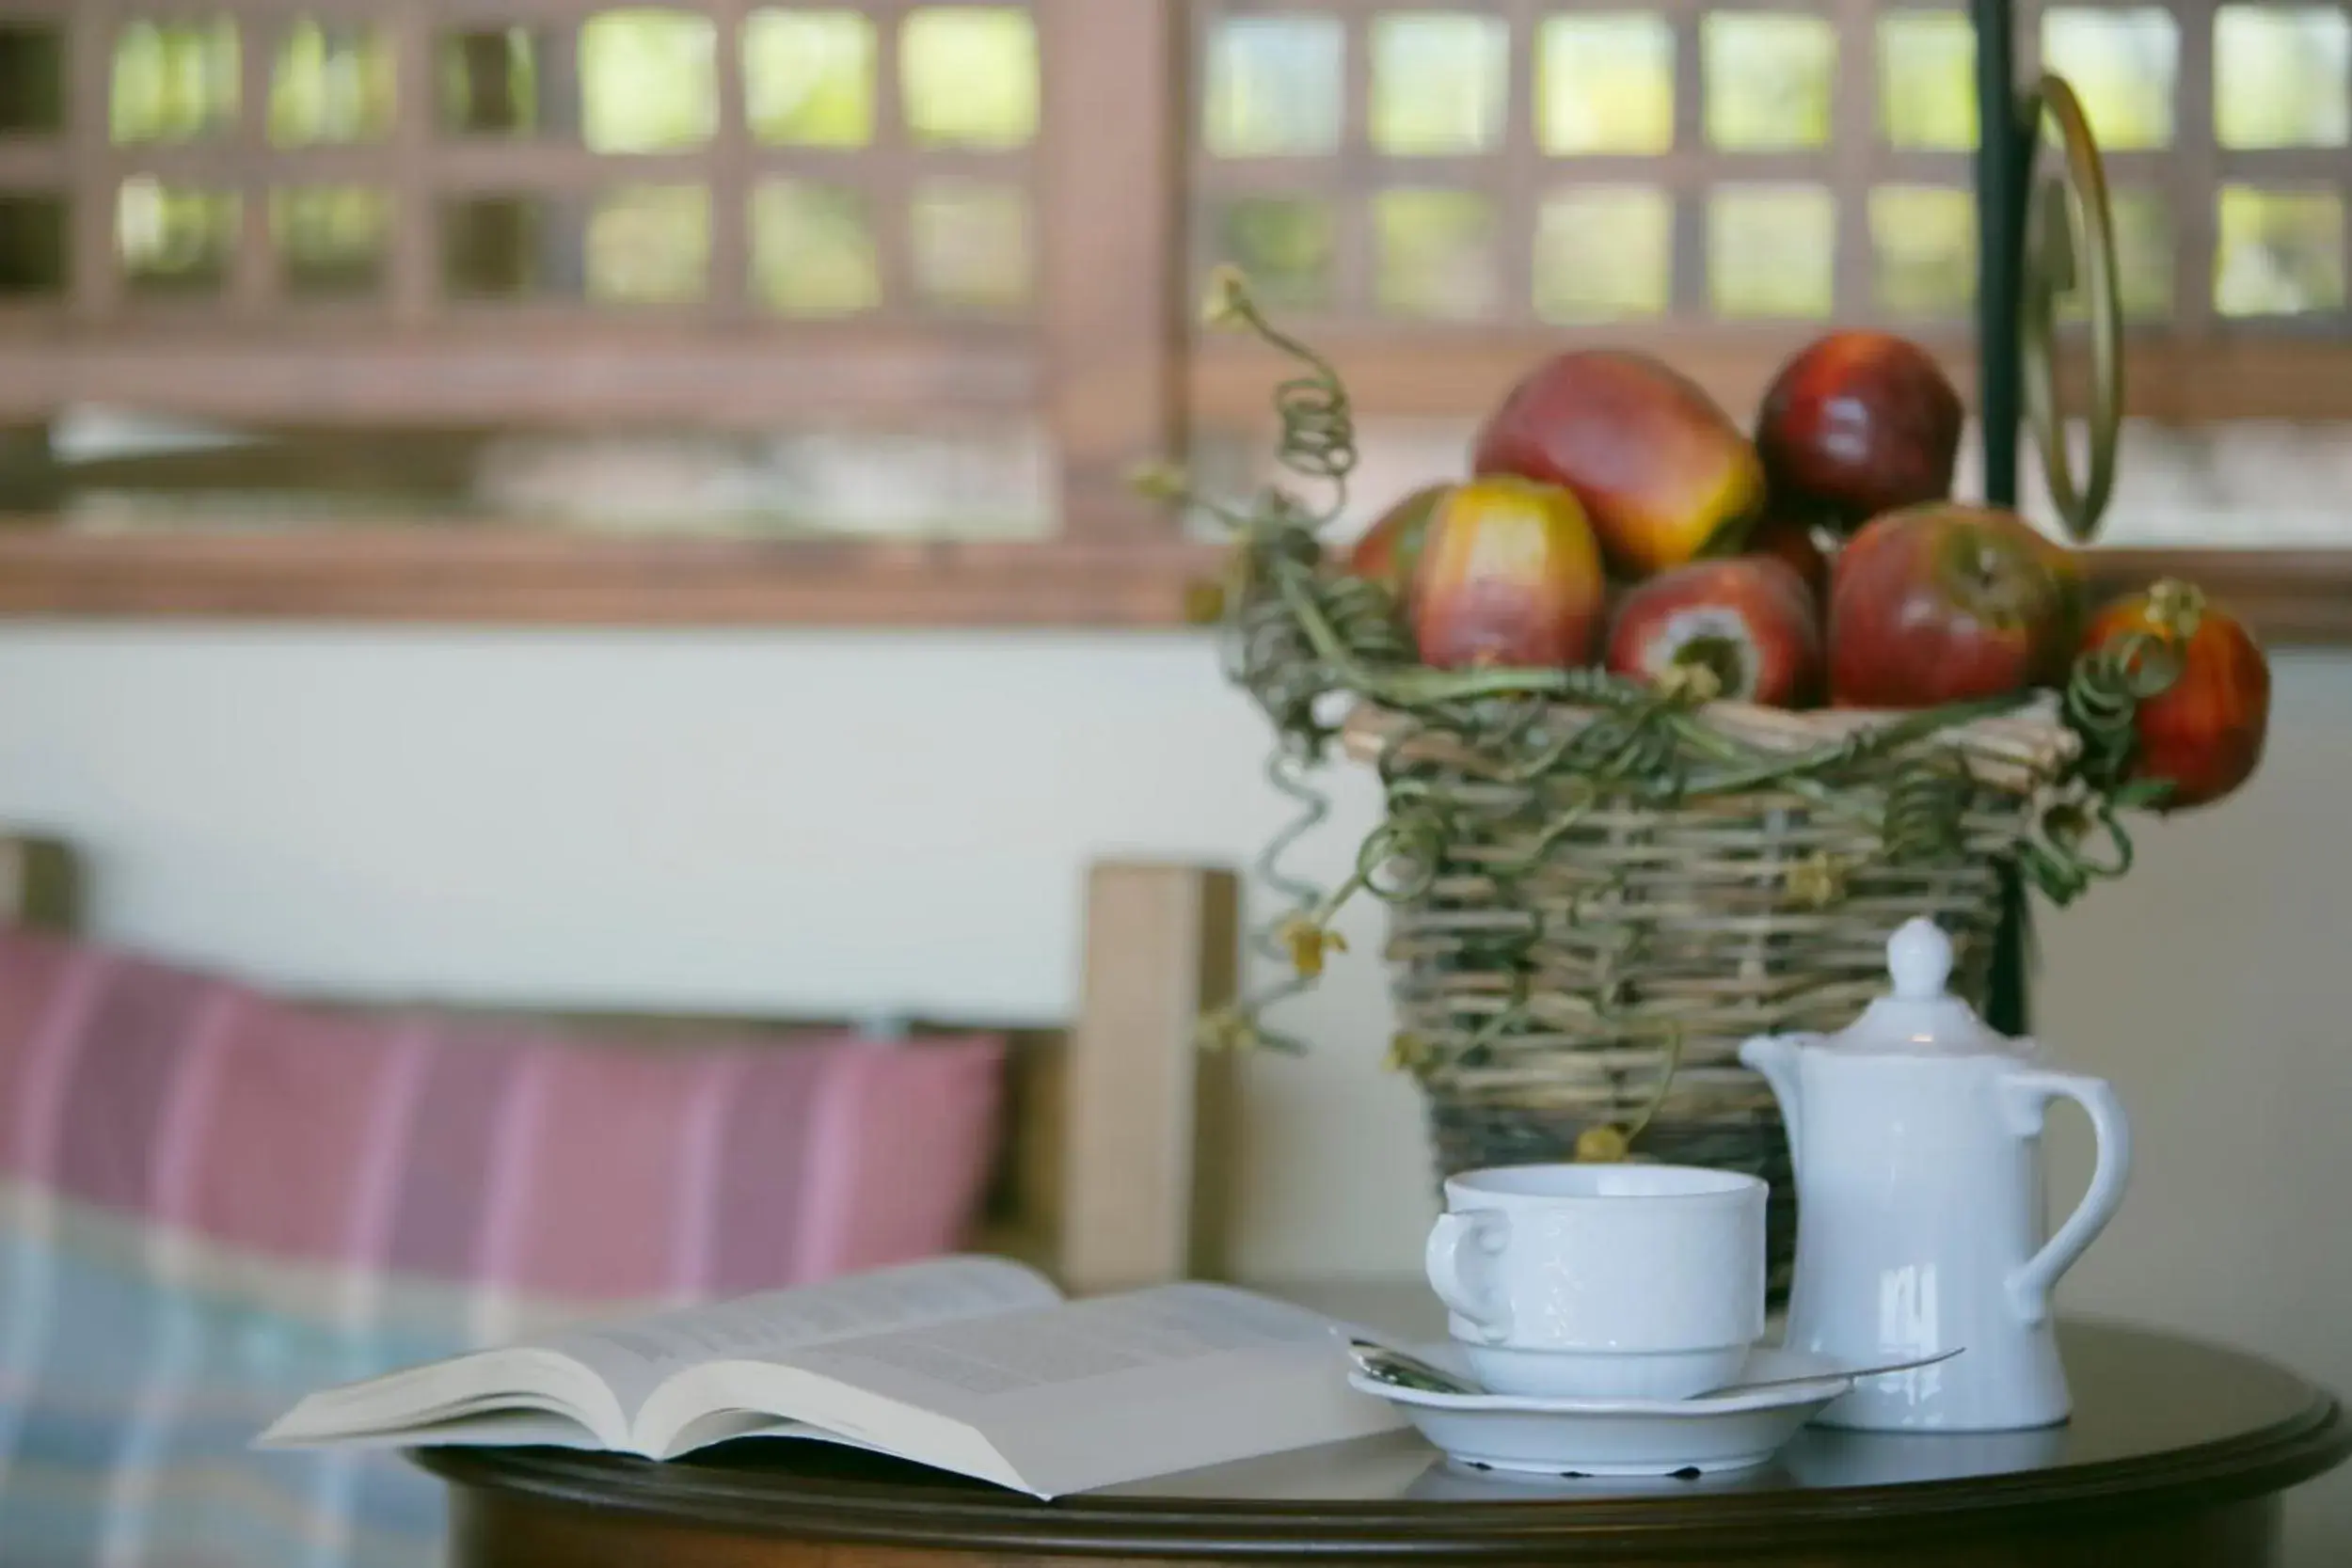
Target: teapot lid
[{"x": 1920, "y": 1017}]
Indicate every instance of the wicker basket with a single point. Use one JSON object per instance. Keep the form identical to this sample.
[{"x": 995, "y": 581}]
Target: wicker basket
[{"x": 1577, "y": 962}]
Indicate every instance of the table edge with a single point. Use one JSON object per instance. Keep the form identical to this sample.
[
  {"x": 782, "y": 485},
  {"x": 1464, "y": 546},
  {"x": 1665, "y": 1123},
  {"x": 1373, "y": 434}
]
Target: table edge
[{"x": 2210, "y": 1475}]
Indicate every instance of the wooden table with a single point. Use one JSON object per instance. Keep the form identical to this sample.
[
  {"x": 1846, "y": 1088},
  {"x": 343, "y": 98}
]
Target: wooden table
[{"x": 2176, "y": 1457}]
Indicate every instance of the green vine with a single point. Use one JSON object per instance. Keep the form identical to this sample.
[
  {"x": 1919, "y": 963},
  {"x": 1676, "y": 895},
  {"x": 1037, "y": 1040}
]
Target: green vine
[{"x": 1307, "y": 641}]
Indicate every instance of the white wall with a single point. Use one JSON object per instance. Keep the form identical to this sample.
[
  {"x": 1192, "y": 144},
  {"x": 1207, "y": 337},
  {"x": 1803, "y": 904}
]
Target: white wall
[{"x": 835, "y": 823}]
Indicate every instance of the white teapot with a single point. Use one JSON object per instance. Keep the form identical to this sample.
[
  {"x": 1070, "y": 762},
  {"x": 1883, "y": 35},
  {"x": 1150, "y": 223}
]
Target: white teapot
[{"x": 1916, "y": 1138}]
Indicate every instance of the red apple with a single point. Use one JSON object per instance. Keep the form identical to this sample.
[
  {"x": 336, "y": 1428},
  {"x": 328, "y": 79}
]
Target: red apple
[
  {"x": 1391, "y": 548},
  {"x": 1945, "y": 602},
  {"x": 1509, "y": 575},
  {"x": 1750, "y": 622},
  {"x": 2203, "y": 733},
  {"x": 1860, "y": 424},
  {"x": 1788, "y": 538},
  {"x": 1660, "y": 470}
]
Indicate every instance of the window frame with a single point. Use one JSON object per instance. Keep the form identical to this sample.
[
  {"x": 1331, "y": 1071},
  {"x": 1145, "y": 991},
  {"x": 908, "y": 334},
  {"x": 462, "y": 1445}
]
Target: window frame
[{"x": 1112, "y": 364}]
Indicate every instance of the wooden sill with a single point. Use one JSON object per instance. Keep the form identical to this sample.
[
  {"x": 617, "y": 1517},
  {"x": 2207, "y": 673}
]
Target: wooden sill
[{"x": 435, "y": 573}]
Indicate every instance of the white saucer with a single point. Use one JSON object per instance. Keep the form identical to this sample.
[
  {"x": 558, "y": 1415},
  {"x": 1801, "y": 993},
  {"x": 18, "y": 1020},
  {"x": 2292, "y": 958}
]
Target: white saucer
[{"x": 1619, "y": 1437}]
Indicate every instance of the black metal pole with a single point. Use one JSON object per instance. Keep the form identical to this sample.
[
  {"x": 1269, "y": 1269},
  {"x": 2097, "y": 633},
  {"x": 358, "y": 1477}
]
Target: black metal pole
[{"x": 2004, "y": 159}]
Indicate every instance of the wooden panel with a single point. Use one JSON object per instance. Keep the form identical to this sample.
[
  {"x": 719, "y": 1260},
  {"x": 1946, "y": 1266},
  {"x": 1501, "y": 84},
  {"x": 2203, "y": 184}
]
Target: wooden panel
[
  {"x": 1161, "y": 948},
  {"x": 551, "y": 370},
  {"x": 1114, "y": 321},
  {"x": 1400, "y": 371},
  {"x": 445, "y": 570}
]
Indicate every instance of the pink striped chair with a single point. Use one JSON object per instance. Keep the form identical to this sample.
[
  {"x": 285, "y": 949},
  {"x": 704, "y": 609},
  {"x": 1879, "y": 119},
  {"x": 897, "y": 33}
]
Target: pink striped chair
[{"x": 212, "y": 1200}]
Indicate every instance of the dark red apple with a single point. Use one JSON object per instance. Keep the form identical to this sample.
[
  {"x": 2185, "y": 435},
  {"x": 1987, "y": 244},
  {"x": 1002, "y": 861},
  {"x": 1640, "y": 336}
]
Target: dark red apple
[
  {"x": 1391, "y": 549},
  {"x": 1946, "y": 602},
  {"x": 1510, "y": 575},
  {"x": 2203, "y": 733},
  {"x": 1791, "y": 539},
  {"x": 1750, "y": 622},
  {"x": 1860, "y": 424}
]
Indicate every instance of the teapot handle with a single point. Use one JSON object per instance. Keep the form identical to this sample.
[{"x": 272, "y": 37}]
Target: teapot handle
[{"x": 2025, "y": 1096}]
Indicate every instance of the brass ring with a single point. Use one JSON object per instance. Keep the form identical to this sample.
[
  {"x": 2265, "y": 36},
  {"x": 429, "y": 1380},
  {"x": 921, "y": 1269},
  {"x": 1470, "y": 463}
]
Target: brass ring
[{"x": 2078, "y": 201}]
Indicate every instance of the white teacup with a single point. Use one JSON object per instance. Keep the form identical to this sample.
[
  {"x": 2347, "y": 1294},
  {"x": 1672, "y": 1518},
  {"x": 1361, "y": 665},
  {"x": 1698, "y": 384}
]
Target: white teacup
[{"x": 1602, "y": 1281}]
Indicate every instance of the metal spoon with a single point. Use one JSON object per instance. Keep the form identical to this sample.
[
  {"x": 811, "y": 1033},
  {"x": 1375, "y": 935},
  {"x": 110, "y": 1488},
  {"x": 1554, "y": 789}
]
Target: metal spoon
[{"x": 1401, "y": 1368}]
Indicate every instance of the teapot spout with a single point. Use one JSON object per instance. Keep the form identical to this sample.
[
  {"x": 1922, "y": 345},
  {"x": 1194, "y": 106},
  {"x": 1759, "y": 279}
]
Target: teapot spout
[{"x": 1775, "y": 1057}]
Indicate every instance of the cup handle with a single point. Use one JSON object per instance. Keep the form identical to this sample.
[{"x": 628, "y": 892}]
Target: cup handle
[
  {"x": 1457, "y": 1243},
  {"x": 2026, "y": 1094}
]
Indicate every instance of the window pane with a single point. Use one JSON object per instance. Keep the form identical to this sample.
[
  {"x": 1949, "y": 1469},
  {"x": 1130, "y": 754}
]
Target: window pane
[
  {"x": 2282, "y": 252},
  {"x": 332, "y": 83},
  {"x": 499, "y": 246},
  {"x": 1436, "y": 255},
  {"x": 489, "y": 82},
  {"x": 1768, "y": 250},
  {"x": 1924, "y": 238},
  {"x": 969, "y": 75},
  {"x": 2143, "y": 253},
  {"x": 1605, "y": 83},
  {"x": 173, "y": 81},
  {"x": 1439, "y": 82},
  {"x": 648, "y": 80},
  {"x": 330, "y": 238},
  {"x": 2279, "y": 76},
  {"x": 1928, "y": 80},
  {"x": 1272, "y": 87},
  {"x": 1604, "y": 253},
  {"x": 32, "y": 77},
  {"x": 2123, "y": 64},
  {"x": 808, "y": 77},
  {"x": 1768, "y": 78},
  {"x": 173, "y": 239},
  {"x": 971, "y": 245},
  {"x": 1286, "y": 245},
  {"x": 32, "y": 245},
  {"x": 813, "y": 249},
  {"x": 649, "y": 244}
]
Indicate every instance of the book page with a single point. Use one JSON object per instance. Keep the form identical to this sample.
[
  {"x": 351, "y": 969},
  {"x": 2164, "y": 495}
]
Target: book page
[
  {"x": 1117, "y": 1389},
  {"x": 633, "y": 1357}
]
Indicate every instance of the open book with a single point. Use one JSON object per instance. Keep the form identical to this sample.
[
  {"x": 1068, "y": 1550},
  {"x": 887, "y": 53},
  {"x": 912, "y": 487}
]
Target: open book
[{"x": 973, "y": 1365}]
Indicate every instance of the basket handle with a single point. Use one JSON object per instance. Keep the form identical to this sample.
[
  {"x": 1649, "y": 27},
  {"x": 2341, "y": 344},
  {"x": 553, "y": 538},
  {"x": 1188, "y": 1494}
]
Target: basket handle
[{"x": 2070, "y": 240}]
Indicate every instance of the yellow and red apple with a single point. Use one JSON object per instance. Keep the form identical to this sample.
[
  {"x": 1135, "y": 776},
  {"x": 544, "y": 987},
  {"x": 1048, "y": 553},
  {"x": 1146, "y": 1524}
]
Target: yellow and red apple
[
  {"x": 1509, "y": 575},
  {"x": 1660, "y": 470}
]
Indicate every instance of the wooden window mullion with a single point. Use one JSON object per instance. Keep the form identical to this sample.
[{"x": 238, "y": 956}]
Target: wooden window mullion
[
  {"x": 2189, "y": 179},
  {"x": 246, "y": 170},
  {"x": 729, "y": 164},
  {"x": 94, "y": 282},
  {"x": 886, "y": 181},
  {"x": 411, "y": 267},
  {"x": 1520, "y": 184},
  {"x": 1113, "y": 307},
  {"x": 1851, "y": 158},
  {"x": 1355, "y": 262},
  {"x": 1688, "y": 299}
]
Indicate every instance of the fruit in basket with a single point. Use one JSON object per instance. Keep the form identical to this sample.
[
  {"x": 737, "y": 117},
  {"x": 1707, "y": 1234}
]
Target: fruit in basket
[
  {"x": 1662, "y": 473},
  {"x": 1509, "y": 575},
  {"x": 1391, "y": 548},
  {"x": 1859, "y": 423},
  {"x": 1946, "y": 602},
  {"x": 1786, "y": 537},
  {"x": 1750, "y": 623},
  {"x": 2203, "y": 733}
]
